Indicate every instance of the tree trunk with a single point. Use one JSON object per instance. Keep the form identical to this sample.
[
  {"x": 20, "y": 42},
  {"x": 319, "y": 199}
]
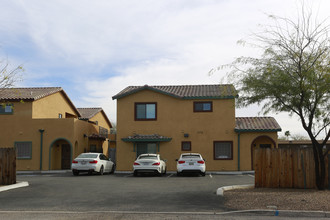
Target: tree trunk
[{"x": 319, "y": 165}]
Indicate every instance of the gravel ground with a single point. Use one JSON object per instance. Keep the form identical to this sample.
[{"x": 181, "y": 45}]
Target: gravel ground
[{"x": 280, "y": 199}]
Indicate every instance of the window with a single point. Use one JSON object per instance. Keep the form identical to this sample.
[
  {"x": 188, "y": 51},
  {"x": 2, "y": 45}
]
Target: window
[
  {"x": 186, "y": 146},
  {"x": 92, "y": 148},
  {"x": 223, "y": 150},
  {"x": 24, "y": 150},
  {"x": 145, "y": 111},
  {"x": 146, "y": 148},
  {"x": 203, "y": 107},
  {"x": 60, "y": 115},
  {"x": 6, "y": 109}
]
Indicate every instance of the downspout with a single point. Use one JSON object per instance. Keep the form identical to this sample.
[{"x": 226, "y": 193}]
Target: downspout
[
  {"x": 41, "y": 143},
  {"x": 239, "y": 151}
]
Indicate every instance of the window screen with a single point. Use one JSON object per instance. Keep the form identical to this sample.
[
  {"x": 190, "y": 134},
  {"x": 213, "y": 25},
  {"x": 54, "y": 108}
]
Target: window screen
[
  {"x": 24, "y": 150},
  {"x": 223, "y": 150}
]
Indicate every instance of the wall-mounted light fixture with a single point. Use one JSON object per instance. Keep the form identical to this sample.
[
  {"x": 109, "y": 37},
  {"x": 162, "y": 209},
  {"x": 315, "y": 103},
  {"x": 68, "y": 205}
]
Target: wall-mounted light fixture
[
  {"x": 85, "y": 135},
  {"x": 185, "y": 135}
]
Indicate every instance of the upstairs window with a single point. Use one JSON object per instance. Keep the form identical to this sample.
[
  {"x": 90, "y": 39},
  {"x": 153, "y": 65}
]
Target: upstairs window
[
  {"x": 145, "y": 111},
  {"x": 203, "y": 107},
  {"x": 6, "y": 109}
]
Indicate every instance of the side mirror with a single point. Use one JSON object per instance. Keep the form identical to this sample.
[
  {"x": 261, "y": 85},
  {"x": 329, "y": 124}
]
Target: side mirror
[{"x": 177, "y": 160}]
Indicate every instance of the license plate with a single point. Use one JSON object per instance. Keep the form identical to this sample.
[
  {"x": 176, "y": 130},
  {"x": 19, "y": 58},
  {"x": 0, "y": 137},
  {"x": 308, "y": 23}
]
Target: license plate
[
  {"x": 83, "y": 162},
  {"x": 145, "y": 163},
  {"x": 191, "y": 163}
]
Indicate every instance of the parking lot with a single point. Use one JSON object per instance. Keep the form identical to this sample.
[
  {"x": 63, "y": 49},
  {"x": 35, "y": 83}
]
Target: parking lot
[{"x": 120, "y": 192}]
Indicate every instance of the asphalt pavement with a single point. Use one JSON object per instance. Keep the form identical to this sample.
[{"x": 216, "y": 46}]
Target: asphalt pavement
[{"x": 123, "y": 196}]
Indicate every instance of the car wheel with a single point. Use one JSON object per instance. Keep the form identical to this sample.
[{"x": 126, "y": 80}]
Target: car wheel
[
  {"x": 113, "y": 168},
  {"x": 165, "y": 171},
  {"x": 101, "y": 171},
  {"x": 75, "y": 172},
  {"x": 203, "y": 173},
  {"x": 135, "y": 173},
  {"x": 178, "y": 174}
]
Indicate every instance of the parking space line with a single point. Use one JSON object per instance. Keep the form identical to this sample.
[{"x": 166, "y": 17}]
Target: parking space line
[
  {"x": 170, "y": 175},
  {"x": 211, "y": 176},
  {"x": 251, "y": 175}
]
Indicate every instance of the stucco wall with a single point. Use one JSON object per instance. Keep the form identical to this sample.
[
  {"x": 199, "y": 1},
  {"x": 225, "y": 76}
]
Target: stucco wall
[
  {"x": 21, "y": 127},
  {"x": 175, "y": 117},
  {"x": 250, "y": 140},
  {"x": 51, "y": 106},
  {"x": 100, "y": 118}
]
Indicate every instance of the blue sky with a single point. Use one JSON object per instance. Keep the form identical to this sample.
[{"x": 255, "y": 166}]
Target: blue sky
[{"x": 94, "y": 49}]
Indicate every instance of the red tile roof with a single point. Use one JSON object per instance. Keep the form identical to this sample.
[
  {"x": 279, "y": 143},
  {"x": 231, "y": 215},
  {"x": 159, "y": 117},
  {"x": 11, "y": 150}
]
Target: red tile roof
[
  {"x": 88, "y": 113},
  {"x": 245, "y": 124},
  {"x": 27, "y": 93},
  {"x": 146, "y": 138},
  {"x": 185, "y": 91},
  {"x": 32, "y": 94}
]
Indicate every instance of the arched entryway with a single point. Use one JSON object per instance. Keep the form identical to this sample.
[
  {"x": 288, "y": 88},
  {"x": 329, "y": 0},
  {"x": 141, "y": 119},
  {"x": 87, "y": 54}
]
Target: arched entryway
[
  {"x": 60, "y": 154},
  {"x": 263, "y": 141}
]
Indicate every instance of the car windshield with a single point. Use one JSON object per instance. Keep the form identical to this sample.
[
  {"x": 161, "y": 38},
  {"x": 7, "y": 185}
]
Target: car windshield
[
  {"x": 191, "y": 156},
  {"x": 87, "y": 156},
  {"x": 148, "y": 157}
]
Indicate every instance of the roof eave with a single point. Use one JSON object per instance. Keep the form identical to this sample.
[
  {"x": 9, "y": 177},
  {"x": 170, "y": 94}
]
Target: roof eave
[
  {"x": 257, "y": 130},
  {"x": 146, "y": 140}
]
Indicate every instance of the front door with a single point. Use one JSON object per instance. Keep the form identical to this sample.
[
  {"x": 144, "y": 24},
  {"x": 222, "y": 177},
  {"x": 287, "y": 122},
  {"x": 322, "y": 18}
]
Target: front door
[
  {"x": 146, "y": 148},
  {"x": 66, "y": 157}
]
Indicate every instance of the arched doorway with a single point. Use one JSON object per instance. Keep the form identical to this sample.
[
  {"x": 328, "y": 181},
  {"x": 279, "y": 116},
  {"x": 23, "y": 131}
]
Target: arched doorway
[
  {"x": 60, "y": 154},
  {"x": 263, "y": 141}
]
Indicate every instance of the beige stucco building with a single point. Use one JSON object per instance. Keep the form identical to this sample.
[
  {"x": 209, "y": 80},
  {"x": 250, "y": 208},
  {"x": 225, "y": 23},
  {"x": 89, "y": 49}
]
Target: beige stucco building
[
  {"x": 171, "y": 120},
  {"x": 47, "y": 130}
]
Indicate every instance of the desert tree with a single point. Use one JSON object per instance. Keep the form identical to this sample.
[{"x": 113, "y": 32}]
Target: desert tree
[
  {"x": 292, "y": 75},
  {"x": 9, "y": 75}
]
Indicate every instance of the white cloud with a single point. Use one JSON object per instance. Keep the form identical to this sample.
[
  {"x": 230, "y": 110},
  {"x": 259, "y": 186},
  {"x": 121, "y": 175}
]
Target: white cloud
[{"x": 97, "y": 48}]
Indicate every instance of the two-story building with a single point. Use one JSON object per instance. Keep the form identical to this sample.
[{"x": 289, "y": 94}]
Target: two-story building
[
  {"x": 171, "y": 120},
  {"x": 47, "y": 130}
]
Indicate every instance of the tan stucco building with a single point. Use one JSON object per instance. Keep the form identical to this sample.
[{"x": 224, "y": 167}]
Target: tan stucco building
[
  {"x": 171, "y": 120},
  {"x": 47, "y": 130}
]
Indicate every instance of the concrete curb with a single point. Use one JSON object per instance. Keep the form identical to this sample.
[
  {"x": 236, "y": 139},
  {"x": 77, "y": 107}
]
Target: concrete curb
[
  {"x": 14, "y": 186},
  {"x": 207, "y": 172},
  {"x": 33, "y": 172},
  {"x": 284, "y": 213},
  {"x": 221, "y": 190}
]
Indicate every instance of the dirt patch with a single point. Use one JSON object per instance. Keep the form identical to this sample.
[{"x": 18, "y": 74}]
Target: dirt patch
[{"x": 280, "y": 199}]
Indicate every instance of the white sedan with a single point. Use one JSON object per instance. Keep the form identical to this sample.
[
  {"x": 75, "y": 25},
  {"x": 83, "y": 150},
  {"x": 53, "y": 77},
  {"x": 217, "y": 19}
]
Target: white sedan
[
  {"x": 149, "y": 163},
  {"x": 191, "y": 163},
  {"x": 92, "y": 162}
]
